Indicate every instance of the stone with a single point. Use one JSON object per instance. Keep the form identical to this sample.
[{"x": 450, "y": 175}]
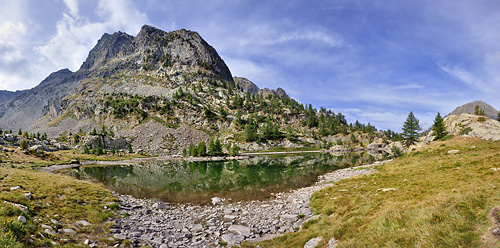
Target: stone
[
  {"x": 47, "y": 227},
  {"x": 312, "y": 243},
  {"x": 160, "y": 205},
  {"x": 21, "y": 219},
  {"x": 163, "y": 246},
  {"x": 217, "y": 200},
  {"x": 15, "y": 188},
  {"x": 332, "y": 243},
  {"x": 386, "y": 189},
  {"x": 49, "y": 231},
  {"x": 28, "y": 196},
  {"x": 86, "y": 242},
  {"x": 119, "y": 236},
  {"x": 289, "y": 217},
  {"x": 240, "y": 229},
  {"x": 82, "y": 223},
  {"x": 69, "y": 231},
  {"x": 232, "y": 239},
  {"x": 196, "y": 228},
  {"x": 453, "y": 151}
]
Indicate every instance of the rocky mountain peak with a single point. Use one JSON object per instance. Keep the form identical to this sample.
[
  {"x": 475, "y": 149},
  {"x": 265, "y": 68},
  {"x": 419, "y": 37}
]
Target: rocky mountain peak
[
  {"x": 248, "y": 86},
  {"x": 106, "y": 48},
  {"x": 468, "y": 108},
  {"x": 156, "y": 50},
  {"x": 56, "y": 76}
]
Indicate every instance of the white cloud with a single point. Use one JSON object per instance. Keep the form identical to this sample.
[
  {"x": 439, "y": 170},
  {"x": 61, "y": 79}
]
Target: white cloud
[
  {"x": 314, "y": 36},
  {"x": 76, "y": 35},
  {"x": 72, "y": 6},
  {"x": 469, "y": 78},
  {"x": 261, "y": 75}
]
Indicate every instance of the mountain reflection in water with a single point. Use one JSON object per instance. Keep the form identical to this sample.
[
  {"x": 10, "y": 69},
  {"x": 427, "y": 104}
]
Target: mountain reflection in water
[{"x": 198, "y": 182}]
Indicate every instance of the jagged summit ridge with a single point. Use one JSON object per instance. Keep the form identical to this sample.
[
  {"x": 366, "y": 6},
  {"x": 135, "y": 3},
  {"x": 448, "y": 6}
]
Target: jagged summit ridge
[{"x": 155, "y": 50}]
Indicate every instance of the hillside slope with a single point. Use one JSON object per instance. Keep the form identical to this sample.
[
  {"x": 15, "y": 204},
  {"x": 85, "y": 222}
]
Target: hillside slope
[{"x": 162, "y": 91}]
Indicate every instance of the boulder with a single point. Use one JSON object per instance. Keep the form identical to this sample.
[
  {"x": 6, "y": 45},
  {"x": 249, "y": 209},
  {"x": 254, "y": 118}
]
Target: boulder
[
  {"x": 239, "y": 229},
  {"x": 312, "y": 243}
]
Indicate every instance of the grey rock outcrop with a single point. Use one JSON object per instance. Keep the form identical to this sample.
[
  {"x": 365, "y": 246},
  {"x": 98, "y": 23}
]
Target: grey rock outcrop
[
  {"x": 248, "y": 86},
  {"x": 473, "y": 126}
]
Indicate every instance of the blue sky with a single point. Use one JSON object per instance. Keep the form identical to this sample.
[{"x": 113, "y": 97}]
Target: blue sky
[{"x": 374, "y": 61}]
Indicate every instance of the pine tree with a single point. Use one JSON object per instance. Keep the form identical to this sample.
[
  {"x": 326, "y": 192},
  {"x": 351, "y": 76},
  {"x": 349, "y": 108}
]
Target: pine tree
[
  {"x": 184, "y": 152},
  {"x": 192, "y": 150},
  {"x": 251, "y": 131},
  {"x": 235, "y": 150},
  {"x": 218, "y": 147},
  {"x": 411, "y": 128},
  {"x": 24, "y": 145},
  {"x": 498, "y": 116},
  {"x": 211, "y": 147},
  {"x": 202, "y": 149},
  {"x": 438, "y": 128}
]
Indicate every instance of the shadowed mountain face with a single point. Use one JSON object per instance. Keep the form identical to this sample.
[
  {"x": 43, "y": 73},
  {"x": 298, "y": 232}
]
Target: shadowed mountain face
[
  {"x": 469, "y": 108},
  {"x": 6, "y": 95}
]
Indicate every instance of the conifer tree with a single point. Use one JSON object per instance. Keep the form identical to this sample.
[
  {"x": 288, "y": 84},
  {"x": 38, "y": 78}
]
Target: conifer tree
[
  {"x": 192, "y": 150},
  {"x": 411, "y": 128},
  {"x": 202, "y": 149},
  {"x": 438, "y": 128}
]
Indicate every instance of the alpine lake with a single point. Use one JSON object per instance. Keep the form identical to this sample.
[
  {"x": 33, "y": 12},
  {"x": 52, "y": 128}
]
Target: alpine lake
[{"x": 255, "y": 178}]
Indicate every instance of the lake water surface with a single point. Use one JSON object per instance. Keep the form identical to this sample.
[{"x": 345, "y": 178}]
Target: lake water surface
[{"x": 197, "y": 182}]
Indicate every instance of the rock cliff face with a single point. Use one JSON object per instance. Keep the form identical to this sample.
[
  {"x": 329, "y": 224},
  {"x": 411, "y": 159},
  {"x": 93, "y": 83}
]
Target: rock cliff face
[
  {"x": 468, "y": 108},
  {"x": 248, "y": 86},
  {"x": 469, "y": 125}
]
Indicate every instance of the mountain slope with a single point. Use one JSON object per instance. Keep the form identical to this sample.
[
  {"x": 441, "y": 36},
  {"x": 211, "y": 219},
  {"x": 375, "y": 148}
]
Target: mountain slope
[
  {"x": 26, "y": 108},
  {"x": 6, "y": 95},
  {"x": 162, "y": 91}
]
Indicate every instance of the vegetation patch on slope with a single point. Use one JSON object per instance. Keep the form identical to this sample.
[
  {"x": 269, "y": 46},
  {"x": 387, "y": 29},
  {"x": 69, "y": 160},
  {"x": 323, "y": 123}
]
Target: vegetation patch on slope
[
  {"x": 56, "y": 201},
  {"x": 427, "y": 198}
]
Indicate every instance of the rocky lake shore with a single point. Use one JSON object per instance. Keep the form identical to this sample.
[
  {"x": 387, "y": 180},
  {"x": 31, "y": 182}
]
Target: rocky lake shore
[{"x": 159, "y": 224}]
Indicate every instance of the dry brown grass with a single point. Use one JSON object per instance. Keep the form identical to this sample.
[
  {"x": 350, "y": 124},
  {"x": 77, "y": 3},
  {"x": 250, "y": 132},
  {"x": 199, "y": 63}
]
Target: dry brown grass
[{"x": 440, "y": 200}]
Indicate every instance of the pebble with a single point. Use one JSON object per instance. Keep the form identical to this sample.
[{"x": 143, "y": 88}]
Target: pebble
[
  {"x": 21, "y": 219},
  {"x": 158, "y": 224}
]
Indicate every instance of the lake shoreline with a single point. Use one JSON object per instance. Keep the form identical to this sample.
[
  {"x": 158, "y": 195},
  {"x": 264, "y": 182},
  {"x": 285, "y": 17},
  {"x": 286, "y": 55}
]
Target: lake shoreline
[{"x": 159, "y": 224}]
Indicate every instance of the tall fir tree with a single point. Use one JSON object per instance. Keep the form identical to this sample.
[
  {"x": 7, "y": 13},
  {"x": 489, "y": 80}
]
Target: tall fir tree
[
  {"x": 438, "y": 128},
  {"x": 411, "y": 128}
]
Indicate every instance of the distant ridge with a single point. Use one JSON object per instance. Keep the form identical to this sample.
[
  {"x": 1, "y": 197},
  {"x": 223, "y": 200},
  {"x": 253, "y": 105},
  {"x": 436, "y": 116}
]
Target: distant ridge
[{"x": 468, "y": 108}]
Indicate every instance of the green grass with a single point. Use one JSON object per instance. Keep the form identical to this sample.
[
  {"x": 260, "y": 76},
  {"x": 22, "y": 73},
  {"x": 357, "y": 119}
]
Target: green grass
[
  {"x": 58, "y": 197},
  {"x": 441, "y": 200},
  {"x": 32, "y": 159}
]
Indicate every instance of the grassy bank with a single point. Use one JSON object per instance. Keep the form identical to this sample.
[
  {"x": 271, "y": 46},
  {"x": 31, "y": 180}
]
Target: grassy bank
[
  {"x": 32, "y": 159},
  {"x": 56, "y": 200},
  {"x": 427, "y": 198}
]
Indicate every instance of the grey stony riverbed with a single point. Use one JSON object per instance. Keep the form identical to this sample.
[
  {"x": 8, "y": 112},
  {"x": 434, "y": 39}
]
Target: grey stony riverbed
[{"x": 159, "y": 224}]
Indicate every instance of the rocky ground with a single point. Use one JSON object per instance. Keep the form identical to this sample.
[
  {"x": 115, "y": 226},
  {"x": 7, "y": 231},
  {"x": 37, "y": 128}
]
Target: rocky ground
[{"x": 158, "y": 224}]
